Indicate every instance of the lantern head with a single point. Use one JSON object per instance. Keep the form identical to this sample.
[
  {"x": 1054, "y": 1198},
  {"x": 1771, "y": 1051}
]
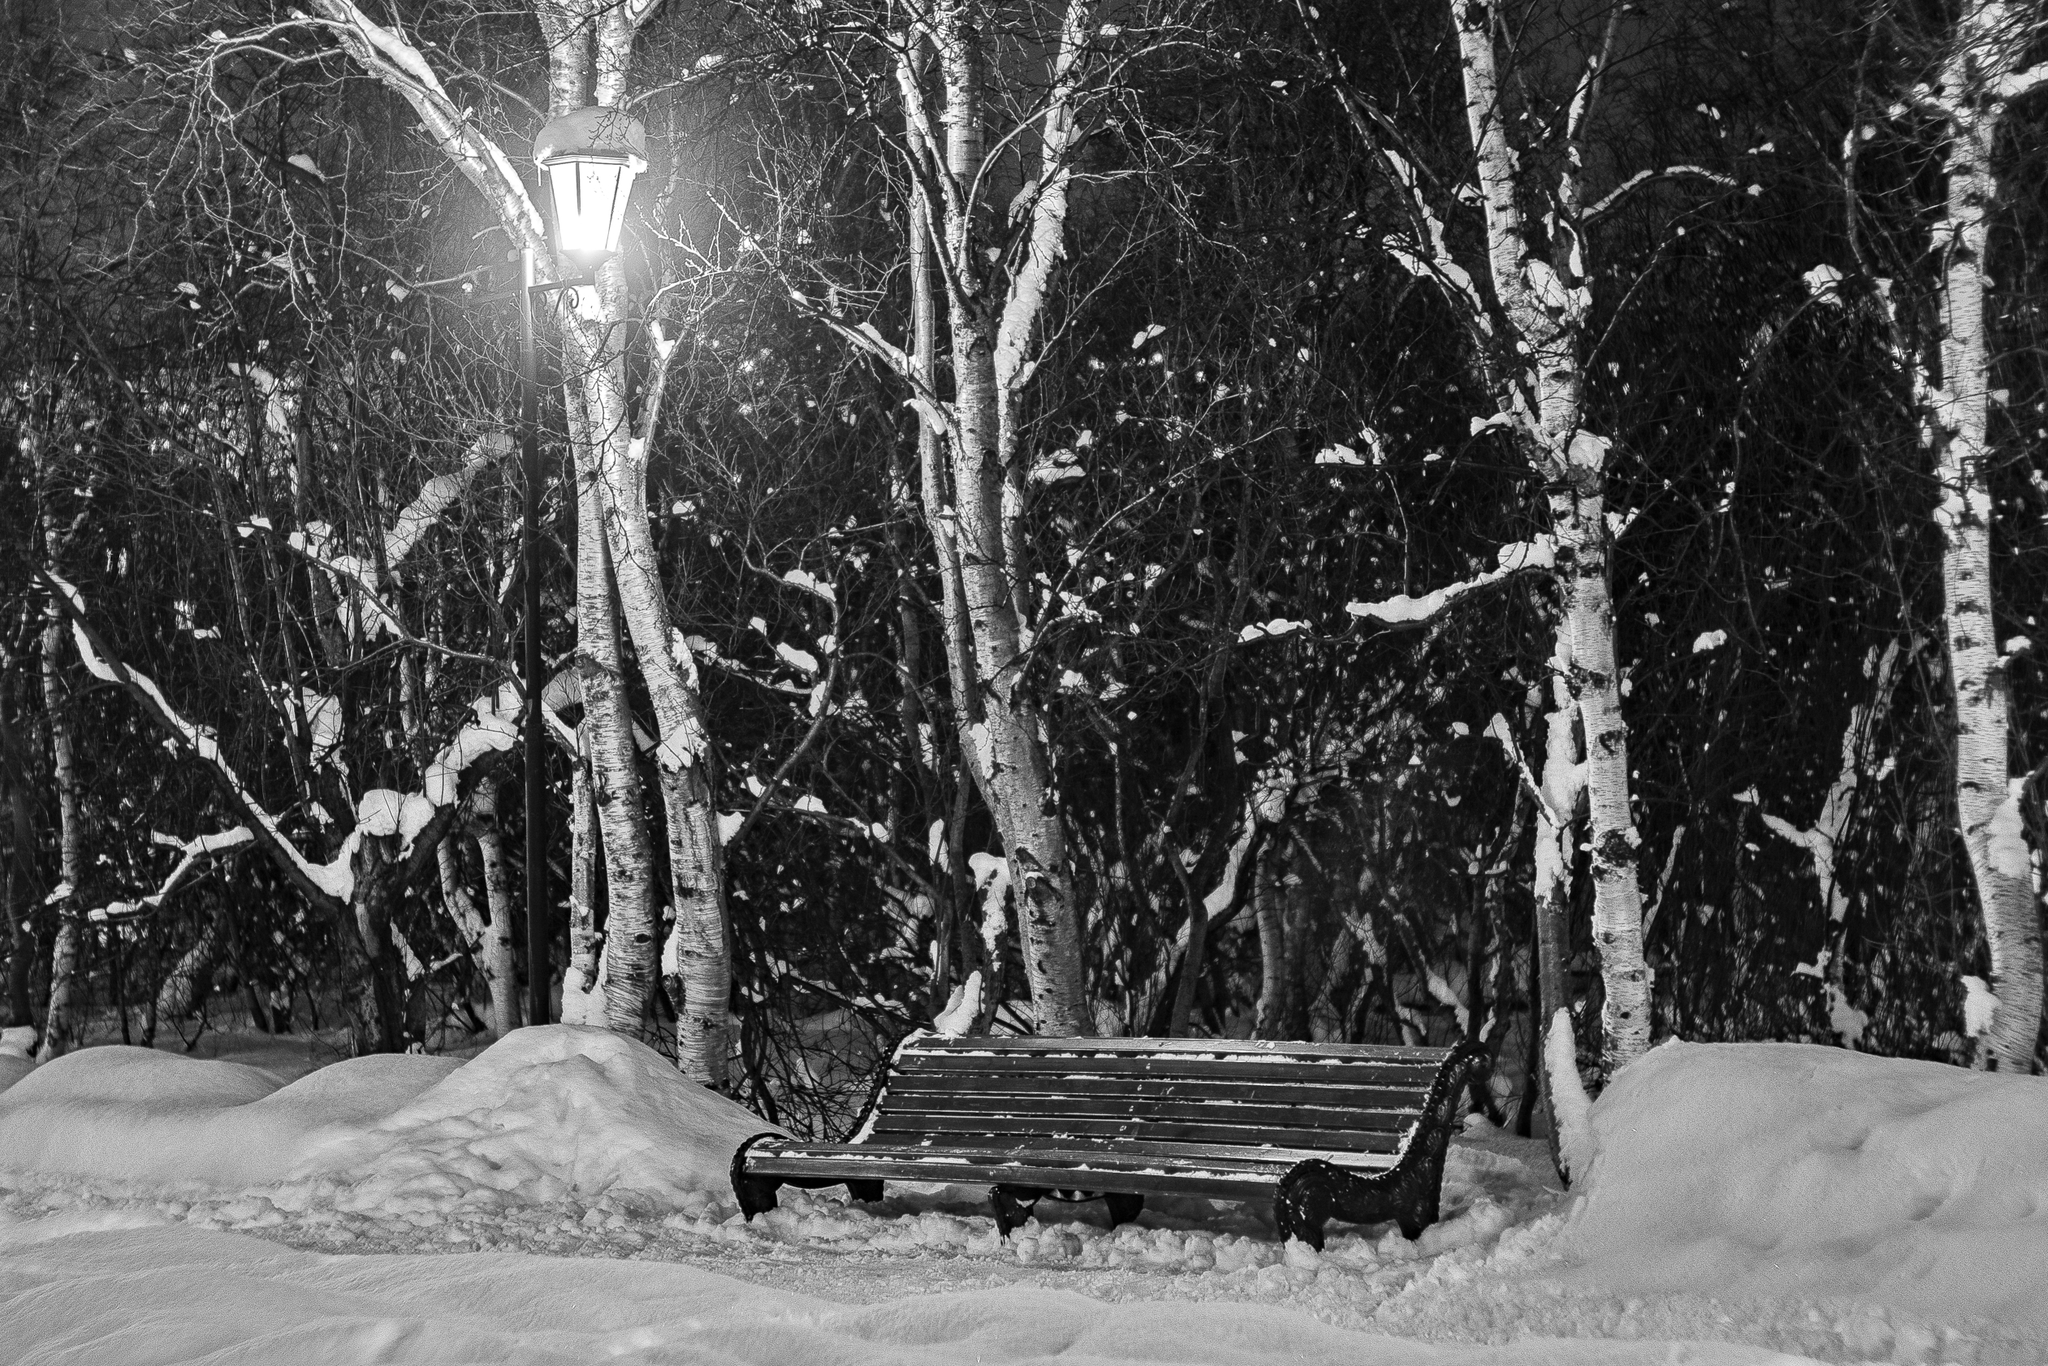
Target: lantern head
[{"x": 588, "y": 158}]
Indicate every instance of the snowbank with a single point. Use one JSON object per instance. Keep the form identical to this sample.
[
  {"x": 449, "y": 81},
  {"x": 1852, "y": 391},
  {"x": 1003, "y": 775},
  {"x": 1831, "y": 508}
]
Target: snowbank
[
  {"x": 541, "y": 1115},
  {"x": 1792, "y": 1169},
  {"x": 148, "y": 1118},
  {"x": 154, "y": 1297}
]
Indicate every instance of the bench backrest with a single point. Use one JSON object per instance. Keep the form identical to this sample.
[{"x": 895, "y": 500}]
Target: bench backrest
[{"x": 1341, "y": 1098}]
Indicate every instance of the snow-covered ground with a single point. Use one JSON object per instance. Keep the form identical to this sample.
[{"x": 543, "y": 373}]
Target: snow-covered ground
[{"x": 1748, "y": 1203}]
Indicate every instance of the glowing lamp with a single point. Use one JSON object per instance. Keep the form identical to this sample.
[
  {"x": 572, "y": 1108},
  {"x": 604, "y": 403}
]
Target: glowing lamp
[{"x": 588, "y": 158}]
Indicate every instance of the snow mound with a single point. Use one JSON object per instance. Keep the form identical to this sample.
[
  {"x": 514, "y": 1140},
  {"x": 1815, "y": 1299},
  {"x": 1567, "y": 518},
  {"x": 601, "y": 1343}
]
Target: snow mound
[
  {"x": 1773, "y": 1169},
  {"x": 144, "y": 1117},
  {"x": 540, "y": 1116},
  {"x": 543, "y": 1115},
  {"x": 13, "y": 1067}
]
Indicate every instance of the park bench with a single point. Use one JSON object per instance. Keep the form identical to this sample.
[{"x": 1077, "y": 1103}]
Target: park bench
[{"x": 1324, "y": 1131}]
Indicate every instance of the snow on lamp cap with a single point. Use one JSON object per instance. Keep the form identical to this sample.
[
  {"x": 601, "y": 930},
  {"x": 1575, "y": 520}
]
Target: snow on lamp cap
[{"x": 590, "y": 157}]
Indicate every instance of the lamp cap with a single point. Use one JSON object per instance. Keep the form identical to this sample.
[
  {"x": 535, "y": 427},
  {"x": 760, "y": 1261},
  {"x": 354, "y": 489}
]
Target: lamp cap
[{"x": 599, "y": 131}]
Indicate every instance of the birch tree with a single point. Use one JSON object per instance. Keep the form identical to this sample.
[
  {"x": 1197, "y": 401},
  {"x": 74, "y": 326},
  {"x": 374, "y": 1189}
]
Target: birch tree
[
  {"x": 589, "y": 61},
  {"x": 995, "y": 285},
  {"x": 1981, "y": 74},
  {"x": 1529, "y": 333},
  {"x": 63, "y": 1029}
]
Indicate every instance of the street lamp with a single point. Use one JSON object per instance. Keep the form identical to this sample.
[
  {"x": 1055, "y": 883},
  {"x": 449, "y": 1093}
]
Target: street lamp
[
  {"x": 587, "y": 158},
  {"x": 590, "y": 157}
]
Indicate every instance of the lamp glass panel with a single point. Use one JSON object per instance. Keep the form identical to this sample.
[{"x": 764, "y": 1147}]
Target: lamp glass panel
[
  {"x": 590, "y": 204},
  {"x": 615, "y": 227}
]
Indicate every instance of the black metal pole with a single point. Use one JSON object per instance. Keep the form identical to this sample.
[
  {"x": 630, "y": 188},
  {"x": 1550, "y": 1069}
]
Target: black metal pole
[{"x": 532, "y": 666}]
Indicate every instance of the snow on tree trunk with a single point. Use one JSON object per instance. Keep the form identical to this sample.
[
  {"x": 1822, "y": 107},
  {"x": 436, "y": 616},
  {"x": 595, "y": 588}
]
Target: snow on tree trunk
[
  {"x": 1571, "y": 1111},
  {"x": 1978, "y": 76},
  {"x": 62, "y": 1027},
  {"x": 1561, "y": 783}
]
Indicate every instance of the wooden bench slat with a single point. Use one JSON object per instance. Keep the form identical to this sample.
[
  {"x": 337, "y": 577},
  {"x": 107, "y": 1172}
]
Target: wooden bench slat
[
  {"x": 899, "y": 1131},
  {"x": 1216, "y": 1186},
  {"x": 1117, "y": 1107},
  {"x": 969, "y": 1064},
  {"x": 1254, "y": 1048},
  {"x": 1106, "y": 1156},
  {"x": 983, "y": 1088},
  {"x": 893, "y": 1129},
  {"x": 1328, "y": 1113}
]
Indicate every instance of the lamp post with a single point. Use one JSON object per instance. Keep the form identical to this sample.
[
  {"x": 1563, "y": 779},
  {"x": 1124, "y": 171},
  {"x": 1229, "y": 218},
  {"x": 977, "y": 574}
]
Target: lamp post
[{"x": 587, "y": 159}]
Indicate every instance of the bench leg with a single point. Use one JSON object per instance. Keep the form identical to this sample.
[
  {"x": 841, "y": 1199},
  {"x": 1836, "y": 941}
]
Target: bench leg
[
  {"x": 756, "y": 1194},
  {"x": 1009, "y": 1211},
  {"x": 869, "y": 1191},
  {"x": 1123, "y": 1208},
  {"x": 1306, "y": 1202}
]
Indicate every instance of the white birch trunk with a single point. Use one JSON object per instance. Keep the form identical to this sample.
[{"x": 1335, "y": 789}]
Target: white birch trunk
[
  {"x": 615, "y": 776},
  {"x": 1544, "y": 303},
  {"x": 1005, "y": 747},
  {"x": 582, "y": 980},
  {"x": 1823, "y": 839},
  {"x": 1269, "y": 915},
  {"x": 63, "y": 1029},
  {"x": 495, "y": 955},
  {"x": 700, "y": 953},
  {"x": 1984, "y": 51},
  {"x": 698, "y": 957}
]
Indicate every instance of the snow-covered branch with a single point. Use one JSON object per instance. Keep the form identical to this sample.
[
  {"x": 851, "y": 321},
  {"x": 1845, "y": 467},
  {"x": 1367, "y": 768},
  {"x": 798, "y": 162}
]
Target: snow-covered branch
[
  {"x": 317, "y": 882},
  {"x": 423, "y": 513},
  {"x": 1428, "y": 256},
  {"x": 200, "y": 849},
  {"x": 1641, "y": 178},
  {"x": 356, "y": 579},
  {"x": 1423, "y": 252},
  {"x": 2021, "y": 83},
  {"x": 936, "y": 412},
  {"x": 1403, "y": 610},
  {"x": 385, "y": 54},
  {"x": 379, "y": 811},
  {"x": 1663, "y": 886},
  {"x": 1497, "y": 729}
]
